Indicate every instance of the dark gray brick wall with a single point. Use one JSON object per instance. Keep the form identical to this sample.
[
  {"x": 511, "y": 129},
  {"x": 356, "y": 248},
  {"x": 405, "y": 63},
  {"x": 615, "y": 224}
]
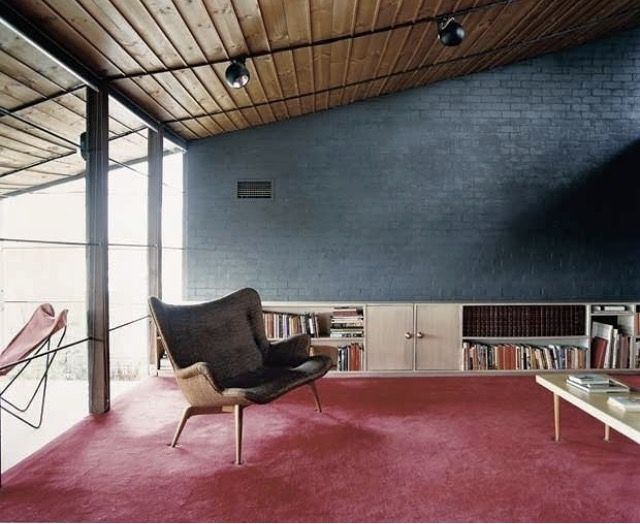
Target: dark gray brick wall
[{"x": 520, "y": 183}]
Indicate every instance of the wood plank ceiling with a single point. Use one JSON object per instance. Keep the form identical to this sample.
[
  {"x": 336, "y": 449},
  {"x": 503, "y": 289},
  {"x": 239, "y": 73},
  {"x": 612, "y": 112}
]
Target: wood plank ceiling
[{"x": 169, "y": 56}]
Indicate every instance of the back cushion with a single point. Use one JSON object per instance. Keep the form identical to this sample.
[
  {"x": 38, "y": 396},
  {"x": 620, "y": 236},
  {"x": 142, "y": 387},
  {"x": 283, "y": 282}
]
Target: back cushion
[{"x": 221, "y": 333}]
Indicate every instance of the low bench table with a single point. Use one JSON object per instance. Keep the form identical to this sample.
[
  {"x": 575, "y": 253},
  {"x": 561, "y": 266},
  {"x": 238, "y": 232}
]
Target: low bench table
[{"x": 595, "y": 404}]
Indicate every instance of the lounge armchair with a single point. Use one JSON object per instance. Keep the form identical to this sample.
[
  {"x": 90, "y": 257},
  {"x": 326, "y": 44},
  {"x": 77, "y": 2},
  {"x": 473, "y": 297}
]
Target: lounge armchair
[{"x": 223, "y": 360}]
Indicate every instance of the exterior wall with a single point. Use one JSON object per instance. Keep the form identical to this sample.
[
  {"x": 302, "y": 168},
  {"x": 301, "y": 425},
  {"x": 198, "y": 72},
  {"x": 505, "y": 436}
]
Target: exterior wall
[{"x": 520, "y": 183}]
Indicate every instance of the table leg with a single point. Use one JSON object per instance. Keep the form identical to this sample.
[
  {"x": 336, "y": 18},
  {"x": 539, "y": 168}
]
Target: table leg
[
  {"x": 556, "y": 416},
  {"x": 606, "y": 432}
]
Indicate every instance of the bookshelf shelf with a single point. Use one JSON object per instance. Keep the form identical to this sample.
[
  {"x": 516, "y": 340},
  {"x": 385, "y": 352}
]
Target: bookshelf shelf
[
  {"x": 336, "y": 330},
  {"x": 525, "y": 339},
  {"x": 612, "y": 313},
  {"x": 324, "y": 339},
  {"x": 337, "y": 339}
]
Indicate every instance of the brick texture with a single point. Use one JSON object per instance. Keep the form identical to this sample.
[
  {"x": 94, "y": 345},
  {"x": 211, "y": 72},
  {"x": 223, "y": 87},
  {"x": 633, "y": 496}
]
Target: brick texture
[{"x": 520, "y": 183}]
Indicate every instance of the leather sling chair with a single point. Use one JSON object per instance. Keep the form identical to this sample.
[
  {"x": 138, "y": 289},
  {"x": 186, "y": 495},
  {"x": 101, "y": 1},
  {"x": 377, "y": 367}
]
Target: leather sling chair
[{"x": 223, "y": 361}]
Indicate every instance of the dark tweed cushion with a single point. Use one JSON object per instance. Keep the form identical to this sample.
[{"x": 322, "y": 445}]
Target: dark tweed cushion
[
  {"x": 268, "y": 383},
  {"x": 290, "y": 353},
  {"x": 228, "y": 334}
]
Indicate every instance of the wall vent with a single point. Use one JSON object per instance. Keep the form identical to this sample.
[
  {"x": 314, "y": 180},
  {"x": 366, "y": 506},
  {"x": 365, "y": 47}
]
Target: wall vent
[{"x": 254, "y": 189}]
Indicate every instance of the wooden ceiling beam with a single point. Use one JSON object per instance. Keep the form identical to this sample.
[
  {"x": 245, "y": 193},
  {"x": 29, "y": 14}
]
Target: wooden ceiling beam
[
  {"x": 350, "y": 36},
  {"x": 27, "y": 105},
  {"x": 499, "y": 50},
  {"x": 65, "y": 155},
  {"x": 15, "y": 21}
]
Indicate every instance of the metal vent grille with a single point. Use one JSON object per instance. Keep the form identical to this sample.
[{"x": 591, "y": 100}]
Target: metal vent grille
[{"x": 254, "y": 189}]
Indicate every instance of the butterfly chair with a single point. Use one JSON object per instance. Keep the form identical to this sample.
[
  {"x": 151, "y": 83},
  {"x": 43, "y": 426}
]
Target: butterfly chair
[
  {"x": 35, "y": 337},
  {"x": 223, "y": 360}
]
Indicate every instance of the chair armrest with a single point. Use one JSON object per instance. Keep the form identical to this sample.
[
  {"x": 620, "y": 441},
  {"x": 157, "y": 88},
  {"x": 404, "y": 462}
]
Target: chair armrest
[
  {"x": 199, "y": 369},
  {"x": 289, "y": 353}
]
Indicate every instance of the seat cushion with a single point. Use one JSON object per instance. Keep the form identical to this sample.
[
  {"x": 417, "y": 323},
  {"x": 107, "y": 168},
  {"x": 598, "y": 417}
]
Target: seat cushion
[{"x": 270, "y": 382}]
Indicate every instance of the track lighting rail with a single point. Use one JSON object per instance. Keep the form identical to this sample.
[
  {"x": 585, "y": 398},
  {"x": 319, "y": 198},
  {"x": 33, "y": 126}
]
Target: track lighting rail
[
  {"x": 485, "y": 52},
  {"x": 326, "y": 41}
]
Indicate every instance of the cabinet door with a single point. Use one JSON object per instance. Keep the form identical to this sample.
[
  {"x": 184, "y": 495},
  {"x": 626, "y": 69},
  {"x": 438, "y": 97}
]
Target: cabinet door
[
  {"x": 387, "y": 347},
  {"x": 437, "y": 336}
]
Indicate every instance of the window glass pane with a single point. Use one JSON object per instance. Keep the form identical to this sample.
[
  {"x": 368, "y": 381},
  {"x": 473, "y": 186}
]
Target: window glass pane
[
  {"x": 128, "y": 252},
  {"x": 32, "y": 273},
  {"x": 127, "y": 206},
  {"x": 172, "y": 213},
  {"x": 55, "y": 213}
]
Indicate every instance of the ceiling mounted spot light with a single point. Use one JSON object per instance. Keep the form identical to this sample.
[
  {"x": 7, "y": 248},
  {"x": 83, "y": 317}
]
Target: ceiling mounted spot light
[
  {"x": 450, "y": 32},
  {"x": 237, "y": 74}
]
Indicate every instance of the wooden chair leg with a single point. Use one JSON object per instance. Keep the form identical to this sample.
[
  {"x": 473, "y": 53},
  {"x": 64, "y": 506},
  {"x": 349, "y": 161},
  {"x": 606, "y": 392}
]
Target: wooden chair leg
[
  {"x": 185, "y": 416},
  {"x": 312, "y": 385},
  {"x": 237, "y": 412}
]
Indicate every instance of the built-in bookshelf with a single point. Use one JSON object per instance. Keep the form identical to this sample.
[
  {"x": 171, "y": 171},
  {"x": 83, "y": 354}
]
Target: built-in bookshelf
[
  {"x": 636, "y": 343},
  {"x": 614, "y": 336},
  {"x": 336, "y": 330},
  {"x": 533, "y": 337},
  {"x": 405, "y": 338},
  {"x": 524, "y": 337}
]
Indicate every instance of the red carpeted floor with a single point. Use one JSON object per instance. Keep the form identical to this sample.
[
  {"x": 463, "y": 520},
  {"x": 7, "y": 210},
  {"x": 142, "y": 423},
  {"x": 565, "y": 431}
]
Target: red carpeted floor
[{"x": 417, "y": 449}]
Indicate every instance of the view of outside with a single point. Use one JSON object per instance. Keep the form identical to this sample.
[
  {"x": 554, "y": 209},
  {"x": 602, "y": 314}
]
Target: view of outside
[{"x": 43, "y": 259}]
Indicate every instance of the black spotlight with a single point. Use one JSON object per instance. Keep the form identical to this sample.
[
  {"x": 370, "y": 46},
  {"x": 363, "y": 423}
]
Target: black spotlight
[
  {"x": 450, "y": 32},
  {"x": 237, "y": 74}
]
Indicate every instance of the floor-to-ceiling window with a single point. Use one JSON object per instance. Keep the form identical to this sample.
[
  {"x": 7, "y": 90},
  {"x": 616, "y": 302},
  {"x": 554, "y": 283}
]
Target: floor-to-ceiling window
[
  {"x": 43, "y": 246},
  {"x": 172, "y": 223},
  {"x": 128, "y": 274},
  {"x": 43, "y": 260}
]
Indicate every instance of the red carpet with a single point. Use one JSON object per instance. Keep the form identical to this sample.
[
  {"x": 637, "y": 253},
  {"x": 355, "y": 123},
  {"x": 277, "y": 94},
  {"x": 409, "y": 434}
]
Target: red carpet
[{"x": 419, "y": 449}]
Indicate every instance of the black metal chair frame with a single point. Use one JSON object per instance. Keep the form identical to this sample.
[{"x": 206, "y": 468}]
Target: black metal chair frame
[
  {"x": 44, "y": 350},
  {"x": 20, "y": 412}
]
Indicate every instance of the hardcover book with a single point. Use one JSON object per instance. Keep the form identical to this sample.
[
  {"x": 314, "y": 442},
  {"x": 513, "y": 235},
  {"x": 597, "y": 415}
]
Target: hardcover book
[
  {"x": 613, "y": 386},
  {"x": 589, "y": 378}
]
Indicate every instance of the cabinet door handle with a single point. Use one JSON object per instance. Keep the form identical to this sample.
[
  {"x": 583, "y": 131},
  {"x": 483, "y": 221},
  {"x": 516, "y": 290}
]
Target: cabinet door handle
[
  {"x": 419, "y": 334},
  {"x": 408, "y": 335}
]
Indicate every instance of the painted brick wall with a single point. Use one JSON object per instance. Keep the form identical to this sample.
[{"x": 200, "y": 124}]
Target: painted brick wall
[{"x": 520, "y": 183}]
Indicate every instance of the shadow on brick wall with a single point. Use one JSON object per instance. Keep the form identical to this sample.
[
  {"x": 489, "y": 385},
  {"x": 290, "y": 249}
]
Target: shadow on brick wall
[
  {"x": 598, "y": 211},
  {"x": 580, "y": 243}
]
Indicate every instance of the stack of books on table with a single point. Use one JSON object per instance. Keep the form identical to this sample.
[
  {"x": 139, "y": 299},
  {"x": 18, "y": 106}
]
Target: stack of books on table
[{"x": 593, "y": 383}]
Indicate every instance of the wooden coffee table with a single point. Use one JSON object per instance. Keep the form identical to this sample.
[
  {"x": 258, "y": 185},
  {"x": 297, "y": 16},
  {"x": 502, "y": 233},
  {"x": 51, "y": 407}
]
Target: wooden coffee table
[{"x": 595, "y": 404}]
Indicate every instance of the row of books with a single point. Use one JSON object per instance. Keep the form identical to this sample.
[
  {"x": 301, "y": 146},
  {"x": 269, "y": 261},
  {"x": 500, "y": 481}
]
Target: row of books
[
  {"x": 283, "y": 325},
  {"x": 611, "y": 348},
  {"x": 523, "y": 321},
  {"x": 350, "y": 357},
  {"x": 346, "y": 322},
  {"x": 477, "y": 356}
]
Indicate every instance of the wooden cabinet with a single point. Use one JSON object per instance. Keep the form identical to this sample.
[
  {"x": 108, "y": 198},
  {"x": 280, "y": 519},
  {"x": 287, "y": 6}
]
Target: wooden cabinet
[
  {"x": 404, "y": 337},
  {"x": 389, "y": 334},
  {"x": 437, "y": 336}
]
